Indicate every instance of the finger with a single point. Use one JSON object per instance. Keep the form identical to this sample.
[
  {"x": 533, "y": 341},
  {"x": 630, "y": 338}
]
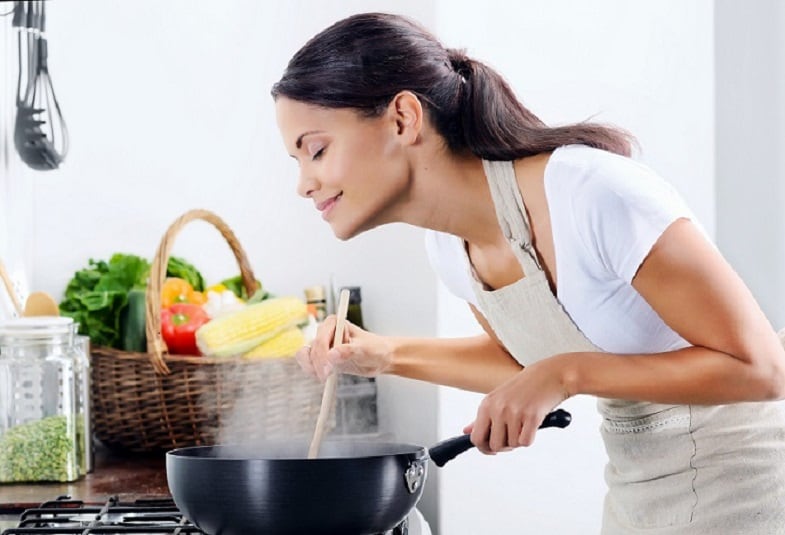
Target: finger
[
  {"x": 514, "y": 427},
  {"x": 337, "y": 356},
  {"x": 303, "y": 358},
  {"x": 324, "y": 336},
  {"x": 346, "y": 334},
  {"x": 339, "y": 359},
  {"x": 468, "y": 429},
  {"x": 529, "y": 430},
  {"x": 481, "y": 433},
  {"x": 321, "y": 365},
  {"x": 498, "y": 438}
]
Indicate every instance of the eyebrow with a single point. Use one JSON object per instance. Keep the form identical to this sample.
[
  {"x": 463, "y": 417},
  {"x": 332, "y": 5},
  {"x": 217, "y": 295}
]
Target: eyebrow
[{"x": 299, "y": 142}]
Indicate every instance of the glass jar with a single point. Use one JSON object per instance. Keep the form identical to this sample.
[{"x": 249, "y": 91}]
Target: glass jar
[
  {"x": 44, "y": 427},
  {"x": 316, "y": 299},
  {"x": 82, "y": 384}
]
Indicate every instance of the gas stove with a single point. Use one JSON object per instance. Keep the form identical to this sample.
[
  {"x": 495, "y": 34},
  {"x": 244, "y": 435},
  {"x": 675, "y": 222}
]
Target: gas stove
[{"x": 64, "y": 516}]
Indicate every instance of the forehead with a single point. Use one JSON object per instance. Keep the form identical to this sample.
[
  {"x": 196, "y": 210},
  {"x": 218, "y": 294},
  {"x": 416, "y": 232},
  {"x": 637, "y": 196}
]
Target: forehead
[
  {"x": 295, "y": 117},
  {"x": 289, "y": 110}
]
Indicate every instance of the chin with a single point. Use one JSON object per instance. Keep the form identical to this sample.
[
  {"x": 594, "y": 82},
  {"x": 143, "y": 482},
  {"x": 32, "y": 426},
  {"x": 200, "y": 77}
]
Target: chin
[
  {"x": 344, "y": 234},
  {"x": 347, "y": 232}
]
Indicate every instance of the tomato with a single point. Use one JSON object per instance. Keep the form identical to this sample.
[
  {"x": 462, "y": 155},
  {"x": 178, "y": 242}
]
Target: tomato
[{"x": 179, "y": 323}]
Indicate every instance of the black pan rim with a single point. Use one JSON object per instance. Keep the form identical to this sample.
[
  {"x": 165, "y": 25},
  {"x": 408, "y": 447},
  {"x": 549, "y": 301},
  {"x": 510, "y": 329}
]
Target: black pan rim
[{"x": 390, "y": 449}]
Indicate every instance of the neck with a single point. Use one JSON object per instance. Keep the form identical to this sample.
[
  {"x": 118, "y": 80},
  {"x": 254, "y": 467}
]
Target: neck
[{"x": 450, "y": 194}]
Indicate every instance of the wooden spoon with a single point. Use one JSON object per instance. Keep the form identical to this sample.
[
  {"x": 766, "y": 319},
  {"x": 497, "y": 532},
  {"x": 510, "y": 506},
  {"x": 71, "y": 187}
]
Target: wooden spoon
[
  {"x": 330, "y": 385},
  {"x": 9, "y": 286},
  {"x": 40, "y": 304}
]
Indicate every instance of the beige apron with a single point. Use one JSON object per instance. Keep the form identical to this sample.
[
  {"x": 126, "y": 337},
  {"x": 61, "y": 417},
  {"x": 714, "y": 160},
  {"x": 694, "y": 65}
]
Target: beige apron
[{"x": 672, "y": 469}]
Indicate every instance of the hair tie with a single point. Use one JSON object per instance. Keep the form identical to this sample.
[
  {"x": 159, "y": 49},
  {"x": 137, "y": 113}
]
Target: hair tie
[{"x": 460, "y": 62}]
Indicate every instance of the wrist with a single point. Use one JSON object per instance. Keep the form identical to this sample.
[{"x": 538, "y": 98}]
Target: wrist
[
  {"x": 569, "y": 373},
  {"x": 393, "y": 356}
]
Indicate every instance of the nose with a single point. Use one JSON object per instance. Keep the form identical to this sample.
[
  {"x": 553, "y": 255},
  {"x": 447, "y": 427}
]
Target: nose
[{"x": 306, "y": 184}]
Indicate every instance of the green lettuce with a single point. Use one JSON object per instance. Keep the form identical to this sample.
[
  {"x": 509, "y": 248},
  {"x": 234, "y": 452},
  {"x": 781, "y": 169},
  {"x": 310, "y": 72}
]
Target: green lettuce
[{"x": 96, "y": 296}]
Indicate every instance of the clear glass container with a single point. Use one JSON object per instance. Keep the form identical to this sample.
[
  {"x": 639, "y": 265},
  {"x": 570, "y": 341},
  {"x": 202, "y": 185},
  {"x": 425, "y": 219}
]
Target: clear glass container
[{"x": 44, "y": 424}]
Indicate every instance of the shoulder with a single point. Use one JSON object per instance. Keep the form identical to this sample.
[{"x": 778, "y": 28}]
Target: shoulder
[
  {"x": 614, "y": 207},
  {"x": 598, "y": 170},
  {"x": 589, "y": 181}
]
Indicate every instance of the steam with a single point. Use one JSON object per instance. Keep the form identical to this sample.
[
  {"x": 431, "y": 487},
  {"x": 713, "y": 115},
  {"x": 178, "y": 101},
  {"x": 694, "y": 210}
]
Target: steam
[{"x": 262, "y": 409}]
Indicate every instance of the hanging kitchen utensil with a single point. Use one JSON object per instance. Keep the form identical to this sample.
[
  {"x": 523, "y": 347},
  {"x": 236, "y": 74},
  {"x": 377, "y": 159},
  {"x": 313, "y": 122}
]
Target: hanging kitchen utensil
[
  {"x": 40, "y": 132},
  {"x": 356, "y": 487}
]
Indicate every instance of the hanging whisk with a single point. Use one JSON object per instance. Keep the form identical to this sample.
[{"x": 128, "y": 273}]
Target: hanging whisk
[{"x": 40, "y": 133}]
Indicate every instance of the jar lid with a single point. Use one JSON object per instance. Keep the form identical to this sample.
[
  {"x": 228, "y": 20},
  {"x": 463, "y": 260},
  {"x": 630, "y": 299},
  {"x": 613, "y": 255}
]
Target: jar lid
[
  {"x": 37, "y": 327},
  {"x": 314, "y": 293}
]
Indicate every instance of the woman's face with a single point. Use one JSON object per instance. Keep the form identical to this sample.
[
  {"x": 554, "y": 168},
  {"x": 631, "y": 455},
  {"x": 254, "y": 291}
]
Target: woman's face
[{"x": 352, "y": 167}]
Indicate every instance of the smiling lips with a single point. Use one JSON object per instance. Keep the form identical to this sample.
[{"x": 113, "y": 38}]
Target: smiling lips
[{"x": 326, "y": 206}]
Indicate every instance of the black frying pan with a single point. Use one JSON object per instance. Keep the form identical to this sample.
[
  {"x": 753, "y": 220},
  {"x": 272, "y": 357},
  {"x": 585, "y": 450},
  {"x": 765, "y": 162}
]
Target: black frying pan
[{"x": 352, "y": 488}]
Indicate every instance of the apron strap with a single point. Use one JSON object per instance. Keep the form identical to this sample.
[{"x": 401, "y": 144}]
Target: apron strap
[{"x": 511, "y": 212}]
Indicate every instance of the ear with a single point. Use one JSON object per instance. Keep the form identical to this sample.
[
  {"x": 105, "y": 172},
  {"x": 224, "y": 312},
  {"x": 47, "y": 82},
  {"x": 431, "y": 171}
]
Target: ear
[{"x": 406, "y": 112}]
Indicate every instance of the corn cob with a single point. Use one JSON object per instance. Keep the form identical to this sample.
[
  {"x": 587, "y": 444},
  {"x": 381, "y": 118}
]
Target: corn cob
[
  {"x": 238, "y": 332},
  {"x": 283, "y": 345}
]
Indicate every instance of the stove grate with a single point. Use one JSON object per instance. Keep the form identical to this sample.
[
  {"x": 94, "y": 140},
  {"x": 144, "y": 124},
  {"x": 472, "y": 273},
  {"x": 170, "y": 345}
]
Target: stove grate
[{"x": 65, "y": 516}]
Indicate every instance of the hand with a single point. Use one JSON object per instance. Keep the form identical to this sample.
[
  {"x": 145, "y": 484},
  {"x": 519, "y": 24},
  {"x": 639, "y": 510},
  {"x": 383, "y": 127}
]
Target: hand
[
  {"x": 361, "y": 353},
  {"x": 509, "y": 416}
]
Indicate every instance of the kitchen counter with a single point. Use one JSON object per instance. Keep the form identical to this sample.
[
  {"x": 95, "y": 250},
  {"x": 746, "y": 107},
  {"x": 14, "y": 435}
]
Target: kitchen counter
[{"x": 130, "y": 477}]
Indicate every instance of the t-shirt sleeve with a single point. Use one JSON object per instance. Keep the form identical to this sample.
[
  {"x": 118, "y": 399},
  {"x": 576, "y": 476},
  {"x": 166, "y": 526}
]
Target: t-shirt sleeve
[
  {"x": 621, "y": 212},
  {"x": 448, "y": 260}
]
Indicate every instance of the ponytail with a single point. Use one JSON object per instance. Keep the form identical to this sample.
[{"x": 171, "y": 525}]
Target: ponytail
[{"x": 497, "y": 126}]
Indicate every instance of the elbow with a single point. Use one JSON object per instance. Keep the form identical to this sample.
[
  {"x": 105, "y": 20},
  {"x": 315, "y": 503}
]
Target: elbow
[{"x": 772, "y": 380}]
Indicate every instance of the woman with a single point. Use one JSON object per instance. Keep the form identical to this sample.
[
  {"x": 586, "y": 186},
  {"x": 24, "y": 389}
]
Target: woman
[{"x": 586, "y": 270}]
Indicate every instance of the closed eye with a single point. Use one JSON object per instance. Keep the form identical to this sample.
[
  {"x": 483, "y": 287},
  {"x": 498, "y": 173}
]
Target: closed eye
[{"x": 318, "y": 154}]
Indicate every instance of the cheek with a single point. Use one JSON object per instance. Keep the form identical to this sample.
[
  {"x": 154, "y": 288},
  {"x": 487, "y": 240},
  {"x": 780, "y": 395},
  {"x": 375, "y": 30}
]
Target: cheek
[{"x": 362, "y": 161}]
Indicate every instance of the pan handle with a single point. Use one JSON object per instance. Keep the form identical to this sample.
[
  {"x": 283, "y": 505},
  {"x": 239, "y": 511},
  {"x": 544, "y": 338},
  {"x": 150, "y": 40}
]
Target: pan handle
[{"x": 450, "y": 448}]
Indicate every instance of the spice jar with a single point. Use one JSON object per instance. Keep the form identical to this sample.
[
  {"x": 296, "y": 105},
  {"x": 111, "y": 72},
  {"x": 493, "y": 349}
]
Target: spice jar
[
  {"x": 316, "y": 300},
  {"x": 44, "y": 427}
]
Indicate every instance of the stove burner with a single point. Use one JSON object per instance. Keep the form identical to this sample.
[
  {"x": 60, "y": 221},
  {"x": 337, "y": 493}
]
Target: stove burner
[{"x": 65, "y": 516}]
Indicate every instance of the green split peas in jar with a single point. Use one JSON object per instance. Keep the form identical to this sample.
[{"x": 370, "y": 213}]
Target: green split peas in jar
[{"x": 44, "y": 421}]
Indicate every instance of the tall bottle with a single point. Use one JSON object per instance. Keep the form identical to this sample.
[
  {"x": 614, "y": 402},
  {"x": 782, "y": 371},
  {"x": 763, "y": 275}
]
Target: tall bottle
[{"x": 355, "y": 311}]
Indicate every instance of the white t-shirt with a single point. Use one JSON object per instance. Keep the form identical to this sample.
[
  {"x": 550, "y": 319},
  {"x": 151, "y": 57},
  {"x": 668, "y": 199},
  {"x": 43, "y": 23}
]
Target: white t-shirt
[{"x": 606, "y": 211}]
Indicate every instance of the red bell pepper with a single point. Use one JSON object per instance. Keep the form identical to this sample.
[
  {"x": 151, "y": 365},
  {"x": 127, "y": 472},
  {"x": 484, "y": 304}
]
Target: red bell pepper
[{"x": 179, "y": 323}]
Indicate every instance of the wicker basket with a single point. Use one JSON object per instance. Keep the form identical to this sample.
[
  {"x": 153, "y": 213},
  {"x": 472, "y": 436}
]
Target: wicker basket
[{"x": 156, "y": 401}]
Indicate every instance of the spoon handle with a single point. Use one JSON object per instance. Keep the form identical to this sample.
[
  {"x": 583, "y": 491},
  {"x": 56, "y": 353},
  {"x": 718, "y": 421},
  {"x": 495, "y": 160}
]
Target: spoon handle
[
  {"x": 330, "y": 385},
  {"x": 450, "y": 448}
]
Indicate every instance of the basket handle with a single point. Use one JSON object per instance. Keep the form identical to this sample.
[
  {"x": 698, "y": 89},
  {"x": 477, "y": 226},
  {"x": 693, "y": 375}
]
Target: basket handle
[{"x": 156, "y": 347}]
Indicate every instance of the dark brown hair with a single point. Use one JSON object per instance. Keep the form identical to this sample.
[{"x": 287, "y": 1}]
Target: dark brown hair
[{"x": 363, "y": 61}]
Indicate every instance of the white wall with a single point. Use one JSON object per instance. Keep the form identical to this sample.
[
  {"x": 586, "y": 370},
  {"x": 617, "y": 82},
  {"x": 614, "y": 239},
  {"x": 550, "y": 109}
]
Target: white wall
[
  {"x": 750, "y": 83},
  {"x": 647, "y": 67},
  {"x": 16, "y": 221}
]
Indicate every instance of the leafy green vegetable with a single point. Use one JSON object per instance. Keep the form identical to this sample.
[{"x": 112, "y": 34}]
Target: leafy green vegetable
[
  {"x": 132, "y": 322},
  {"x": 177, "y": 267},
  {"x": 259, "y": 296},
  {"x": 235, "y": 284},
  {"x": 96, "y": 296}
]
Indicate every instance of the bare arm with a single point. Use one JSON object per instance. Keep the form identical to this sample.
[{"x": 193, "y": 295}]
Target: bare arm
[
  {"x": 478, "y": 363},
  {"x": 736, "y": 356}
]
